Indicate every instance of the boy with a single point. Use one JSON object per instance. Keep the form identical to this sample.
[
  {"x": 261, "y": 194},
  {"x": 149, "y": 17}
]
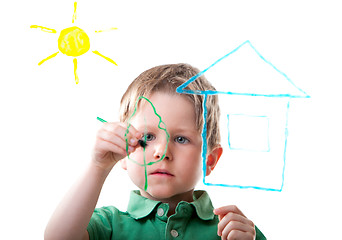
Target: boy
[{"x": 165, "y": 167}]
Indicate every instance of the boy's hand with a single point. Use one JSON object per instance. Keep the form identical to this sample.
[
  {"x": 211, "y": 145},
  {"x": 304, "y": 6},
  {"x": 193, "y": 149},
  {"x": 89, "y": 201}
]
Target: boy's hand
[
  {"x": 234, "y": 224},
  {"x": 110, "y": 145}
]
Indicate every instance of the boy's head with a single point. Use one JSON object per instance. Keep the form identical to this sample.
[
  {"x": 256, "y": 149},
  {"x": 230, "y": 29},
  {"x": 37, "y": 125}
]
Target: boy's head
[{"x": 166, "y": 79}]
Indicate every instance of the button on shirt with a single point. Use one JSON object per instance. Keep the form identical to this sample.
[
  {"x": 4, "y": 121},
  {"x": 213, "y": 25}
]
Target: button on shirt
[{"x": 147, "y": 219}]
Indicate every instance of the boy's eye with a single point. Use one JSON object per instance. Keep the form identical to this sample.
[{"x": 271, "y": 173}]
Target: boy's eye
[
  {"x": 181, "y": 140},
  {"x": 148, "y": 137}
]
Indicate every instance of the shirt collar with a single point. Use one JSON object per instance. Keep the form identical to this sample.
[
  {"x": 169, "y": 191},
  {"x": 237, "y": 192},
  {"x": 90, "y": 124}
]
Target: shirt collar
[
  {"x": 203, "y": 205},
  {"x": 139, "y": 206}
]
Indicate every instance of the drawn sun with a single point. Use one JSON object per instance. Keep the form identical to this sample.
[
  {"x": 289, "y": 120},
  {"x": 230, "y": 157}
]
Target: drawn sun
[{"x": 73, "y": 42}]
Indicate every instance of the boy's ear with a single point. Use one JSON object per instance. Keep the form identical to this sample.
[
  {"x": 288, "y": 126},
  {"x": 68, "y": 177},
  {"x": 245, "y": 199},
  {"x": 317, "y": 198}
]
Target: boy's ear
[
  {"x": 212, "y": 159},
  {"x": 124, "y": 163}
]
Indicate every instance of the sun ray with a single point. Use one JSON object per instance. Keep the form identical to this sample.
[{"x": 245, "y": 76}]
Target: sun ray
[
  {"x": 44, "y": 29},
  {"x": 107, "y": 58},
  {"x": 49, "y": 57},
  {"x": 106, "y": 30},
  {"x": 74, "y": 15},
  {"x": 75, "y": 70}
]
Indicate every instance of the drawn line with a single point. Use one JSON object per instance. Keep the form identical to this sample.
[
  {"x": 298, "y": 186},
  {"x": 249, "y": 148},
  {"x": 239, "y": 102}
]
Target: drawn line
[
  {"x": 184, "y": 85},
  {"x": 75, "y": 70},
  {"x": 285, "y": 147},
  {"x": 241, "y": 186},
  {"x": 74, "y": 15},
  {"x": 204, "y": 153},
  {"x": 126, "y": 139},
  {"x": 106, "y": 30},
  {"x": 44, "y": 29},
  {"x": 246, "y": 149},
  {"x": 181, "y": 88},
  {"x": 144, "y": 152},
  {"x": 49, "y": 57},
  {"x": 244, "y": 187},
  {"x": 107, "y": 58},
  {"x": 101, "y": 120},
  {"x": 211, "y": 92},
  {"x": 282, "y": 73},
  {"x": 204, "y": 138},
  {"x": 159, "y": 126}
]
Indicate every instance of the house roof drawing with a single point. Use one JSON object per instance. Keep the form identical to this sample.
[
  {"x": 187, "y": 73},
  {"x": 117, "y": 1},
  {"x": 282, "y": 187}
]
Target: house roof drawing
[{"x": 247, "y": 73}]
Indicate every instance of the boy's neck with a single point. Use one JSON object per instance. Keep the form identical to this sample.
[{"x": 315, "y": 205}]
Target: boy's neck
[{"x": 172, "y": 201}]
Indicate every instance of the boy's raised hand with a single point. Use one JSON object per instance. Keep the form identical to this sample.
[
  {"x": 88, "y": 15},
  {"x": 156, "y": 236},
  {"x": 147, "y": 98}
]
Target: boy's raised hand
[
  {"x": 110, "y": 145},
  {"x": 233, "y": 224}
]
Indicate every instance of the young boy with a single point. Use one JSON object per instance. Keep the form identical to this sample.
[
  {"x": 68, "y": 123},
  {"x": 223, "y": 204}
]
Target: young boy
[{"x": 158, "y": 141}]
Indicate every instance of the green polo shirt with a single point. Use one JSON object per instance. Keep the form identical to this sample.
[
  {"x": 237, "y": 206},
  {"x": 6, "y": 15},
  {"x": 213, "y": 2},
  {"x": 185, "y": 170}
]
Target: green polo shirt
[{"x": 147, "y": 219}]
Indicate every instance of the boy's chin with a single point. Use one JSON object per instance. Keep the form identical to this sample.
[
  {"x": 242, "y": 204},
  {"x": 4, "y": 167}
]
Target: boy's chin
[
  {"x": 157, "y": 194},
  {"x": 165, "y": 195}
]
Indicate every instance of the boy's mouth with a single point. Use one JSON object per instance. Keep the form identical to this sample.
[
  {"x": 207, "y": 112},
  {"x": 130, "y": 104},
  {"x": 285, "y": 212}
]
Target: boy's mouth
[{"x": 161, "y": 172}]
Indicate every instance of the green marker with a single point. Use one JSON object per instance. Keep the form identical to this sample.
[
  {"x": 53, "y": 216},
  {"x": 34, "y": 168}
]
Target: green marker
[{"x": 101, "y": 120}]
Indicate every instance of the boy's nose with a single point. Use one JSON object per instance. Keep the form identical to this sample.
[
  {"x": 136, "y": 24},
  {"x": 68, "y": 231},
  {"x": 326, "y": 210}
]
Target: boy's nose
[{"x": 162, "y": 150}]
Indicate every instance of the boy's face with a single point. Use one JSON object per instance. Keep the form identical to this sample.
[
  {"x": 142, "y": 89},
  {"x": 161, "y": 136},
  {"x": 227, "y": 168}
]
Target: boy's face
[{"x": 177, "y": 174}]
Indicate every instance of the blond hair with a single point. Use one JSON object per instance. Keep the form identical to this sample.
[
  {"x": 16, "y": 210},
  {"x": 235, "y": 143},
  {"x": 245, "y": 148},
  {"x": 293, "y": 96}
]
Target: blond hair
[{"x": 167, "y": 78}]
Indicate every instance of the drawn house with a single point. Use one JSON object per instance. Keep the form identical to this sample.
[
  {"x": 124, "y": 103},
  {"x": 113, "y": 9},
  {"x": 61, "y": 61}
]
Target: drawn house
[{"x": 254, "y": 98}]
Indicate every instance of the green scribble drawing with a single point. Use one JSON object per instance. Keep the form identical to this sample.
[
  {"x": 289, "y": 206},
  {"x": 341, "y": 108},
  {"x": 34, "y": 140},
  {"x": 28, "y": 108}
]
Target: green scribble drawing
[{"x": 161, "y": 125}]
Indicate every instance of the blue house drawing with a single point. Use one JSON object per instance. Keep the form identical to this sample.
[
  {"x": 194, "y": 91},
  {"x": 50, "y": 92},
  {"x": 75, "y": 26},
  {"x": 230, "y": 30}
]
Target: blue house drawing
[{"x": 254, "y": 98}]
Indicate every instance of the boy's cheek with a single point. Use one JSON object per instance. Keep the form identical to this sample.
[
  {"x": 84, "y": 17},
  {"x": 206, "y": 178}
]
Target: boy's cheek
[
  {"x": 137, "y": 157},
  {"x": 132, "y": 160}
]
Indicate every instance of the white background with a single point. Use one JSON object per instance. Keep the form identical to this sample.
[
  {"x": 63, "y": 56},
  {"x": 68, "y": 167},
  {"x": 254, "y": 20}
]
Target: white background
[{"x": 48, "y": 123}]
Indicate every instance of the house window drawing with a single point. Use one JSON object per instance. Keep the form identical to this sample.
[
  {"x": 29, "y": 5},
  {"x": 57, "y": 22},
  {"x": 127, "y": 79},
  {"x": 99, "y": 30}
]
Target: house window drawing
[
  {"x": 246, "y": 132},
  {"x": 254, "y": 98}
]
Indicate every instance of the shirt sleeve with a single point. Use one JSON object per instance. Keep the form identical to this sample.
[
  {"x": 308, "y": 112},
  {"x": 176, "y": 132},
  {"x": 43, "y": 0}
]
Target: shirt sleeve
[
  {"x": 100, "y": 224},
  {"x": 259, "y": 234}
]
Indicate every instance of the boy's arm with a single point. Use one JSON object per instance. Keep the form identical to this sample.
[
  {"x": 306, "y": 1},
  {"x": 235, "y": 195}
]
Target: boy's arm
[{"x": 72, "y": 216}]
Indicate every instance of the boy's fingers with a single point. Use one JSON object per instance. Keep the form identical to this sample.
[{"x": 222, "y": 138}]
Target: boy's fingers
[
  {"x": 114, "y": 138},
  {"x": 111, "y": 134},
  {"x": 134, "y": 132},
  {"x": 119, "y": 130},
  {"x": 108, "y": 141},
  {"x": 226, "y": 209},
  {"x": 106, "y": 147},
  {"x": 234, "y": 221},
  {"x": 237, "y": 234}
]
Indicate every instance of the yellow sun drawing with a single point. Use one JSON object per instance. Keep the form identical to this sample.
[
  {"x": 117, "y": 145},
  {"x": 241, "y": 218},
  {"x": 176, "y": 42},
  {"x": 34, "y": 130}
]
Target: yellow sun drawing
[{"x": 72, "y": 41}]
